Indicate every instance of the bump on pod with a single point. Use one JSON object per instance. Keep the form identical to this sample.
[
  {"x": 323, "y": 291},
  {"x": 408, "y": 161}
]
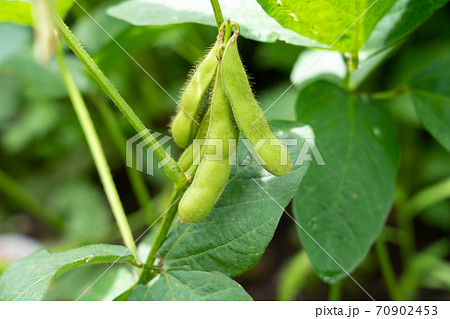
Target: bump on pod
[
  {"x": 212, "y": 175},
  {"x": 184, "y": 124},
  {"x": 249, "y": 117}
]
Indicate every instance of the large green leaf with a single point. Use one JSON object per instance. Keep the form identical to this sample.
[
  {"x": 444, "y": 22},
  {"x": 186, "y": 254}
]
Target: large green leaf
[
  {"x": 254, "y": 22},
  {"x": 403, "y": 17},
  {"x": 430, "y": 91},
  {"x": 42, "y": 82},
  {"x": 345, "y": 24},
  {"x": 236, "y": 233},
  {"x": 30, "y": 277},
  {"x": 384, "y": 24},
  {"x": 344, "y": 203},
  {"x": 20, "y": 11},
  {"x": 191, "y": 285},
  {"x": 96, "y": 283},
  {"x": 16, "y": 11}
]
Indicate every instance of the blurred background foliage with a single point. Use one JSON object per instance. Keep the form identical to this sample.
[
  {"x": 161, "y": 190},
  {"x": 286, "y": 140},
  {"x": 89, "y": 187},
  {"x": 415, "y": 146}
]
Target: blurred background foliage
[{"x": 50, "y": 191}]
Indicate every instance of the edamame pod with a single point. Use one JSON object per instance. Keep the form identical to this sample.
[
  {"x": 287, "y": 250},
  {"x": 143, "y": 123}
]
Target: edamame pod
[
  {"x": 249, "y": 117},
  {"x": 184, "y": 125},
  {"x": 187, "y": 158},
  {"x": 212, "y": 175}
]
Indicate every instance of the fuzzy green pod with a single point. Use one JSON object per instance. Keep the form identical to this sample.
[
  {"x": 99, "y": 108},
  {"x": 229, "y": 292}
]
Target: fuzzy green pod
[
  {"x": 184, "y": 125},
  {"x": 187, "y": 158},
  {"x": 212, "y": 175},
  {"x": 248, "y": 115}
]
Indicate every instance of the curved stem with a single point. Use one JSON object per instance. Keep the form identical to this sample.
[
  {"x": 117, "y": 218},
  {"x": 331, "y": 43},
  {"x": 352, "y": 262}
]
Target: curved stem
[
  {"x": 170, "y": 213},
  {"x": 97, "y": 153},
  {"x": 137, "y": 180},
  {"x": 217, "y": 12},
  {"x": 407, "y": 211},
  {"x": 425, "y": 198},
  {"x": 173, "y": 170},
  {"x": 228, "y": 30},
  {"x": 386, "y": 269},
  {"x": 386, "y": 95}
]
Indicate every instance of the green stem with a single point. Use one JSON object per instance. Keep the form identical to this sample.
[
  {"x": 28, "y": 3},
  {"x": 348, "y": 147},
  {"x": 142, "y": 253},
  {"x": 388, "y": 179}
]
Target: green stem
[
  {"x": 406, "y": 237},
  {"x": 335, "y": 292},
  {"x": 170, "y": 213},
  {"x": 97, "y": 153},
  {"x": 11, "y": 188},
  {"x": 346, "y": 79},
  {"x": 294, "y": 276},
  {"x": 217, "y": 12},
  {"x": 387, "y": 270},
  {"x": 171, "y": 167},
  {"x": 407, "y": 211},
  {"x": 425, "y": 198},
  {"x": 386, "y": 95},
  {"x": 228, "y": 29},
  {"x": 136, "y": 179}
]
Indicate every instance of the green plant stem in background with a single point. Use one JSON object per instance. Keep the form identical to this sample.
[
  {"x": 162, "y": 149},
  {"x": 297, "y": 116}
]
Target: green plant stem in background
[
  {"x": 408, "y": 210},
  {"x": 346, "y": 79},
  {"x": 425, "y": 198},
  {"x": 390, "y": 94},
  {"x": 406, "y": 237},
  {"x": 335, "y": 292},
  {"x": 137, "y": 180},
  {"x": 418, "y": 270},
  {"x": 11, "y": 188},
  {"x": 170, "y": 213},
  {"x": 97, "y": 154},
  {"x": 294, "y": 276},
  {"x": 387, "y": 270},
  {"x": 217, "y": 12},
  {"x": 171, "y": 167}
]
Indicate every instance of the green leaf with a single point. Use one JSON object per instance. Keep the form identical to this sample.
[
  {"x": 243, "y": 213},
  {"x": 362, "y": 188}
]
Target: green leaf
[
  {"x": 344, "y": 203},
  {"x": 237, "y": 231},
  {"x": 383, "y": 25},
  {"x": 96, "y": 283},
  {"x": 427, "y": 269},
  {"x": 282, "y": 111},
  {"x": 254, "y": 22},
  {"x": 10, "y": 92},
  {"x": 38, "y": 119},
  {"x": 20, "y": 11},
  {"x": 430, "y": 91},
  {"x": 85, "y": 210},
  {"x": 184, "y": 285},
  {"x": 403, "y": 18},
  {"x": 30, "y": 277},
  {"x": 41, "y": 82},
  {"x": 16, "y": 11},
  {"x": 345, "y": 24},
  {"x": 438, "y": 276}
]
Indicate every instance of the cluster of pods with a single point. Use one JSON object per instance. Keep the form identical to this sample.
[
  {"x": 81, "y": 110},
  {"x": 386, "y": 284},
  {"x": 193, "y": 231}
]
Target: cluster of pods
[{"x": 232, "y": 108}]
